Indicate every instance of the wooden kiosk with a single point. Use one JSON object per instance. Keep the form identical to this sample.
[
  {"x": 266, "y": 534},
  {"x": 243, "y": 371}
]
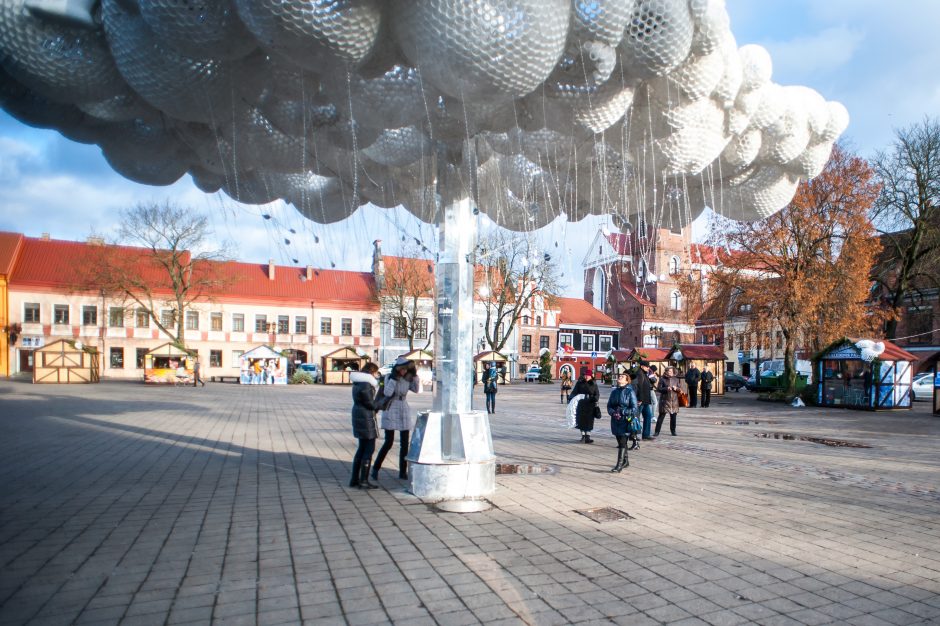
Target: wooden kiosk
[
  {"x": 168, "y": 364},
  {"x": 655, "y": 356},
  {"x": 262, "y": 365},
  {"x": 482, "y": 361},
  {"x": 424, "y": 363},
  {"x": 339, "y": 364},
  {"x": 65, "y": 361},
  {"x": 702, "y": 356},
  {"x": 845, "y": 378}
]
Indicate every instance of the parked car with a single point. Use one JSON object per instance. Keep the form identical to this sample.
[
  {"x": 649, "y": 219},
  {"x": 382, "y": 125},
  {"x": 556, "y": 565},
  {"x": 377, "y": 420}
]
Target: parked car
[
  {"x": 532, "y": 375},
  {"x": 922, "y": 387},
  {"x": 310, "y": 368},
  {"x": 734, "y": 381}
]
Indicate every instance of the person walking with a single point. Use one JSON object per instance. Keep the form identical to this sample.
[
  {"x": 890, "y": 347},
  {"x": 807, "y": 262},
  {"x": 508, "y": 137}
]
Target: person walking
[
  {"x": 490, "y": 387},
  {"x": 197, "y": 374},
  {"x": 669, "y": 387},
  {"x": 692, "y": 378},
  {"x": 587, "y": 407},
  {"x": 707, "y": 379},
  {"x": 644, "y": 395},
  {"x": 364, "y": 386},
  {"x": 622, "y": 406},
  {"x": 655, "y": 407},
  {"x": 565, "y": 385},
  {"x": 397, "y": 415}
]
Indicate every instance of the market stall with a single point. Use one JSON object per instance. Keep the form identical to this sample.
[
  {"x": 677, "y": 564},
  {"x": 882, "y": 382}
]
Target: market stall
[
  {"x": 262, "y": 366},
  {"x": 65, "y": 361},
  {"x": 424, "y": 363},
  {"x": 168, "y": 364},
  {"x": 629, "y": 358},
  {"x": 339, "y": 364},
  {"x": 482, "y": 360},
  {"x": 702, "y": 356},
  {"x": 863, "y": 374}
]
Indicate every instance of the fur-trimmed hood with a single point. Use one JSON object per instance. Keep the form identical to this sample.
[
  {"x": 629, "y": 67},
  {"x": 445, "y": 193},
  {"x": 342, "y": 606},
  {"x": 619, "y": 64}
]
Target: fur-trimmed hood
[{"x": 362, "y": 377}]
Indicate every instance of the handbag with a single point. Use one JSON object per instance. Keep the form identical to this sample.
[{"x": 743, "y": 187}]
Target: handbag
[
  {"x": 683, "y": 398},
  {"x": 634, "y": 423}
]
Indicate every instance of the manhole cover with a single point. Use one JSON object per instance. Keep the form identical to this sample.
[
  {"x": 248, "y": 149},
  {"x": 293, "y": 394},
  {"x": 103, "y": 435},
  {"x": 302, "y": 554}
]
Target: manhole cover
[
  {"x": 511, "y": 468},
  {"x": 604, "y": 514},
  {"x": 835, "y": 443}
]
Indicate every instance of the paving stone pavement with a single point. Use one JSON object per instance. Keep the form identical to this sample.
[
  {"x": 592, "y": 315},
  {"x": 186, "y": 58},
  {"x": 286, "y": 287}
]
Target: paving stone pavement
[{"x": 125, "y": 503}]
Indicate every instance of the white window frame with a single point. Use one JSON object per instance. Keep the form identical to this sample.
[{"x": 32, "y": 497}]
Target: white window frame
[
  {"x": 600, "y": 340},
  {"x": 565, "y": 338},
  {"x": 675, "y": 300},
  {"x": 593, "y": 342}
]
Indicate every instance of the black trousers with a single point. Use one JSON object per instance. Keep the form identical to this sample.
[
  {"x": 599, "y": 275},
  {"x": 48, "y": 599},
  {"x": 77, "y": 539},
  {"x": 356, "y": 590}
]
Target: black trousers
[
  {"x": 706, "y": 397},
  {"x": 402, "y": 453},
  {"x": 693, "y": 396},
  {"x": 672, "y": 423},
  {"x": 363, "y": 454}
]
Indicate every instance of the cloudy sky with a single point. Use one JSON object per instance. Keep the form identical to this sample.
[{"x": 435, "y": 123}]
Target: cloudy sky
[{"x": 879, "y": 59}]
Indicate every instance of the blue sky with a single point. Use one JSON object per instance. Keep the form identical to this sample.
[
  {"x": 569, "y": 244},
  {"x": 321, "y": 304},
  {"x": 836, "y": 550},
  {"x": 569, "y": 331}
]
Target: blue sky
[{"x": 879, "y": 59}]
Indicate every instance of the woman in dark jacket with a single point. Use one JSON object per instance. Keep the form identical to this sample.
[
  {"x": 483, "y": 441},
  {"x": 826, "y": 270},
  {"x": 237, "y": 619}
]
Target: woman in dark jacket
[
  {"x": 669, "y": 386},
  {"x": 622, "y": 406},
  {"x": 587, "y": 407},
  {"x": 364, "y": 386}
]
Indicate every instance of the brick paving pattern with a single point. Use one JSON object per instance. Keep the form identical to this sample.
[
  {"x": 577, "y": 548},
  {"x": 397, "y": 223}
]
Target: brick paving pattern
[{"x": 124, "y": 503}]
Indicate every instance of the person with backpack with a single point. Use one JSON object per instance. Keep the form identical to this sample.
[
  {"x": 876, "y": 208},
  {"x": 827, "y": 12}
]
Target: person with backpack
[
  {"x": 692, "y": 378},
  {"x": 624, "y": 412},
  {"x": 364, "y": 387},
  {"x": 587, "y": 407},
  {"x": 707, "y": 379},
  {"x": 397, "y": 413},
  {"x": 490, "y": 387}
]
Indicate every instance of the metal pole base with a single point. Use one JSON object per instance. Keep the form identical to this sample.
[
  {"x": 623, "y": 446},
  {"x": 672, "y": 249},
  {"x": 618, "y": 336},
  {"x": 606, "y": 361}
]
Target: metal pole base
[{"x": 469, "y": 473}]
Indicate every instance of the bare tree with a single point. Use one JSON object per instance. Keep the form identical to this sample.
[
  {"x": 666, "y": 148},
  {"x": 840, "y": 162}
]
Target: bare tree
[
  {"x": 157, "y": 268},
  {"x": 512, "y": 274},
  {"x": 406, "y": 295},
  {"x": 907, "y": 213}
]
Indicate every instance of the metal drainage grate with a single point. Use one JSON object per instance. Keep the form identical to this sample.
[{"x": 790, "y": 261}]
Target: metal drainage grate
[
  {"x": 604, "y": 514},
  {"x": 510, "y": 468},
  {"x": 835, "y": 443},
  {"x": 745, "y": 422}
]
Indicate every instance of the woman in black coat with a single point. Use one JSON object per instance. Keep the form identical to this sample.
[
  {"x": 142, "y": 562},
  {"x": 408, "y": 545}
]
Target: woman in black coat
[
  {"x": 587, "y": 407},
  {"x": 364, "y": 386}
]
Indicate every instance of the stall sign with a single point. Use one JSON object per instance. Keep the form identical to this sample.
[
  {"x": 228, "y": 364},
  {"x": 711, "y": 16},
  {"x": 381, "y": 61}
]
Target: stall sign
[
  {"x": 846, "y": 352},
  {"x": 33, "y": 342}
]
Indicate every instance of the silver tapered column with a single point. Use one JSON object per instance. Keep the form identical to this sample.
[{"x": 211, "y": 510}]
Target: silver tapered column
[{"x": 451, "y": 457}]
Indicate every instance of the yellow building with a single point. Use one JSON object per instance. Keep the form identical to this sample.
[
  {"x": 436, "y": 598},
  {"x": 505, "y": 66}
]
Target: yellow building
[{"x": 10, "y": 244}]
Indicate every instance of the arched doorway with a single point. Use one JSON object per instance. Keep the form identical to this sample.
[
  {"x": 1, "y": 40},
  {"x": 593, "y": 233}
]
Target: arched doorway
[{"x": 599, "y": 288}]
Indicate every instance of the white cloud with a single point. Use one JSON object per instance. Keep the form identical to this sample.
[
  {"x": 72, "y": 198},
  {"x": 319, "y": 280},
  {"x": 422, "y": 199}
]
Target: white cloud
[{"x": 824, "y": 52}]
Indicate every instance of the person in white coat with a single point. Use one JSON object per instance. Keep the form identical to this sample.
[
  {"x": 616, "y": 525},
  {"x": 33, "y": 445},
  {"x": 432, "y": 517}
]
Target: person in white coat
[{"x": 397, "y": 415}]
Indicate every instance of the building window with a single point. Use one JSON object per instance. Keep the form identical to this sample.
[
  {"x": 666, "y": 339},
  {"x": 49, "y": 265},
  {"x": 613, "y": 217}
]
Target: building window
[
  {"x": 117, "y": 358},
  {"x": 142, "y": 318},
  {"x": 587, "y": 343},
  {"x": 605, "y": 343},
  {"x": 90, "y": 315},
  {"x": 192, "y": 320},
  {"x": 779, "y": 340},
  {"x": 527, "y": 343},
  {"x": 674, "y": 265},
  {"x": 116, "y": 320},
  {"x": 544, "y": 342},
  {"x": 215, "y": 358},
  {"x": 400, "y": 328},
  {"x": 366, "y": 328},
  {"x": 238, "y": 322},
  {"x": 565, "y": 339},
  {"x": 283, "y": 324},
  {"x": 538, "y": 320},
  {"x": 168, "y": 318},
  {"x": 525, "y": 320},
  {"x": 675, "y": 301},
  {"x": 60, "y": 314},
  {"x": 326, "y": 326},
  {"x": 731, "y": 342},
  {"x": 237, "y": 358},
  {"x": 300, "y": 325},
  {"x": 31, "y": 313},
  {"x": 141, "y": 354},
  {"x": 421, "y": 328},
  {"x": 345, "y": 327},
  {"x": 676, "y": 337},
  {"x": 215, "y": 321},
  {"x": 261, "y": 323}
]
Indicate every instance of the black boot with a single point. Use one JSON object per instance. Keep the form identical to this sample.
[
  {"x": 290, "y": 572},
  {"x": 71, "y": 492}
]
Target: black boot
[
  {"x": 626, "y": 459},
  {"x": 403, "y": 470},
  {"x": 356, "y": 469},
  {"x": 583, "y": 438},
  {"x": 364, "y": 476},
  {"x": 587, "y": 439},
  {"x": 621, "y": 452}
]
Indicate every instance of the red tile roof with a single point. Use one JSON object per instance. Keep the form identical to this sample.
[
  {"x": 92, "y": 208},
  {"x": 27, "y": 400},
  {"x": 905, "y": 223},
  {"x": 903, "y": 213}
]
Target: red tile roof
[
  {"x": 701, "y": 351},
  {"x": 9, "y": 246},
  {"x": 575, "y": 311},
  {"x": 58, "y": 264}
]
